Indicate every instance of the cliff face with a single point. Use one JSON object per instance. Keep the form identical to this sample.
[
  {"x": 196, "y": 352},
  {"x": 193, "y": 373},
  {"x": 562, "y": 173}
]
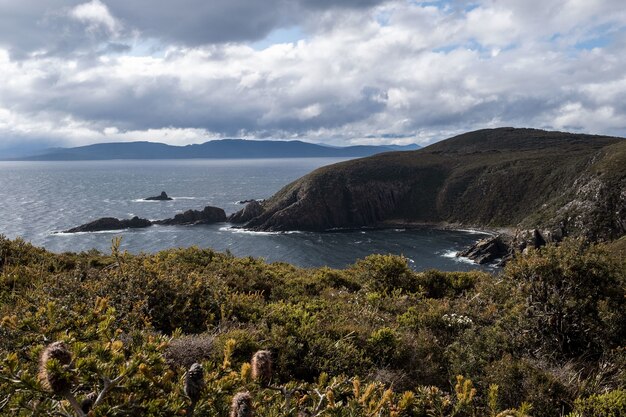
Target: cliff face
[{"x": 490, "y": 178}]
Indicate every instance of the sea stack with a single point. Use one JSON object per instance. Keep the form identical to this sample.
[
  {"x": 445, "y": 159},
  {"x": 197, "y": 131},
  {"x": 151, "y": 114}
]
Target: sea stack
[{"x": 162, "y": 197}]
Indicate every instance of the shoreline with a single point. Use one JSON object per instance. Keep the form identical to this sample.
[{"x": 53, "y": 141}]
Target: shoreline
[{"x": 478, "y": 229}]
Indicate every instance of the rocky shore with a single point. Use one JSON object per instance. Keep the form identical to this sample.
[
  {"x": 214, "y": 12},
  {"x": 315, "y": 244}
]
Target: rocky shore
[
  {"x": 208, "y": 215},
  {"x": 499, "y": 249}
]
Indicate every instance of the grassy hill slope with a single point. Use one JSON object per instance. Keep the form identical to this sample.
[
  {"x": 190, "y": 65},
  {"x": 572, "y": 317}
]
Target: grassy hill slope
[{"x": 488, "y": 178}]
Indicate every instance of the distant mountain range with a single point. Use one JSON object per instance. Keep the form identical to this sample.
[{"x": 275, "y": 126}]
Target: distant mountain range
[{"x": 219, "y": 149}]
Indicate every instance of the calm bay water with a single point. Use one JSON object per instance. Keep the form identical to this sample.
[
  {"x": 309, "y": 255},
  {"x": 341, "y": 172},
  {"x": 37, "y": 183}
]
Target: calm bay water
[{"x": 38, "y": 199}]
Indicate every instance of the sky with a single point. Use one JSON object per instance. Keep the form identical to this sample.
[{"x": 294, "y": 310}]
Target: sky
[{"x": 326, "y": 71}]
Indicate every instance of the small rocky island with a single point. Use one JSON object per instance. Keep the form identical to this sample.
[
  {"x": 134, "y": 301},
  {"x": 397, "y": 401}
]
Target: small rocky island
[
  {"x": 111, "y": 223},
  {"x": 208, "y": 215},
  {"x": 191, "y": 217},
  {"x": 162, "y": 197}
]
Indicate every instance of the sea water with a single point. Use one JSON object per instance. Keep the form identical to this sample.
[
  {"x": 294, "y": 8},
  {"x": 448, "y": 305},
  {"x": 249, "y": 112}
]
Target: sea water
[{"x": 40, "y": 199}]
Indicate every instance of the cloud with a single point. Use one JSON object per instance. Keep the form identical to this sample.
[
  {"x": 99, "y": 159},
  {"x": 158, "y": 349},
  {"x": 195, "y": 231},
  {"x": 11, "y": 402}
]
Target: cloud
[
  {"x": 96, "y": 15},
  {"x": 56, "y": 27},
  {"x": 366, "y": 71}
]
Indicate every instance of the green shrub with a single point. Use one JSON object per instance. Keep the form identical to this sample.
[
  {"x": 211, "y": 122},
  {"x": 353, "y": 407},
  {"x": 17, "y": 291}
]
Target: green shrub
[
  {"x": 575, "y": 296},
  {"x": 147, "y": 318},
  {"x": 386, "y": 273},
  {"x": 611, "y": 404}
]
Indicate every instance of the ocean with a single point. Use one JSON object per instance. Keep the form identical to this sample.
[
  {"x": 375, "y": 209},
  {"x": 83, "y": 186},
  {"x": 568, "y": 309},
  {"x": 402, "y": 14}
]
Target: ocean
[{"x": 41, "y": 199}]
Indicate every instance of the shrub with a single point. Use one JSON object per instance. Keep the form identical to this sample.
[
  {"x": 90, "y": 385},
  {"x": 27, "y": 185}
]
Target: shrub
[
  {"x": 611, "y": 404},
  {"x": 575, "y": 299},
  {"x": 386, "y": 273}
]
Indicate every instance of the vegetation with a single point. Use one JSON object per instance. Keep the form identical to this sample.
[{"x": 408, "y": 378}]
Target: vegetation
[
  {"x": 195, "y": 332},
  {"x": 502, "y": 177}
]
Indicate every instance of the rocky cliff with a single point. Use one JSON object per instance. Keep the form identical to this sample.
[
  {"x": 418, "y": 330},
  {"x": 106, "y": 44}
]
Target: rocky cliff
[{"x": 503, "y": 177}]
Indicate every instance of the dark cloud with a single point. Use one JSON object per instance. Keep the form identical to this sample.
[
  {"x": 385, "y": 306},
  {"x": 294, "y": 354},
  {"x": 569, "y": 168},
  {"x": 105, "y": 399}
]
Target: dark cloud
[
  {"x": 123, "y": 70},
  {"x": 45, "y": 28},
  {"x": 27, "y": 26}
]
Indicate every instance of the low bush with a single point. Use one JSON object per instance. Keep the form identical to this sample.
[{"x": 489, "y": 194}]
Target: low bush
[{"x": 375, "y": 339}]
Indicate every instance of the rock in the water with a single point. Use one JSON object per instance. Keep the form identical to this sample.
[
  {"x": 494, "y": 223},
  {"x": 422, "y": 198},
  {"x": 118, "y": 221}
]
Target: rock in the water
[
  {"x": 206, "y": 216},
  {"x": 111, "y": 223},
  {"x": 249, "y": 212},
  {"x": 504, "y": 247},
  {"x": 488, "y": 250},
  {"x": 162, "y": 197}
]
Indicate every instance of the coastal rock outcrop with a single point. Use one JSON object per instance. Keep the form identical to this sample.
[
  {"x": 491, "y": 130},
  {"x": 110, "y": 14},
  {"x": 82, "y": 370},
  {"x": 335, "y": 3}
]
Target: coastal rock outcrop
[
  {"x": 111, "y": 223},
  {"x": 190, "y": 217},
  {"x": 250, "y": 211},
  {"x": 162, "y": 197},
  {"x": 489, "y": 250},
  {"x": 501, "y": 248},
  {"x": 250, "y": 201}
]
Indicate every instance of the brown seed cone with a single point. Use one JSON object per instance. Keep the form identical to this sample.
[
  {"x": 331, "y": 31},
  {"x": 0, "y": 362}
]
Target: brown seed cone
[
  {"x": 241, "y": 405},
  {"x": 262, "y": 367},
  {"x": 194, "y": 382},
  {"x": 52, "y": 381},
  {"x": 87, "y": 403}
]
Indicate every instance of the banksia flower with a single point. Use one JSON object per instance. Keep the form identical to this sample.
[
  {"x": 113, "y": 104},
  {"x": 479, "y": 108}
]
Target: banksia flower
[
  {"x": 87, "y": 403},
  {"x": 52, "y": 378},
  {"x": 242, "y": 405},
  {"x": 194, "y": 382},
  {"x": 262, "y": 367}
]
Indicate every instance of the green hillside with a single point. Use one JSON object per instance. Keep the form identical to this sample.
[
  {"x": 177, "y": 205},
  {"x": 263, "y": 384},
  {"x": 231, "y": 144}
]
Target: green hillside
[
  {"x": 490, "y": 178},
  {"x": 115, "y": 335}
]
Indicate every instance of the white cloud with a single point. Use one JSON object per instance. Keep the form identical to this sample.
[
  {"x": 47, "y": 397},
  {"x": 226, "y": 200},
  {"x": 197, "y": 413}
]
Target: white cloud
[
  {"x": 96, "y": 15},
  {"x": 419, "y": 74}
]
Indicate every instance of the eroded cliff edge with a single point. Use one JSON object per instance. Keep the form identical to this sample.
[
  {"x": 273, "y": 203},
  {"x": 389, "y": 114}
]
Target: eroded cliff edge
[{"x": 506, "y": 177}]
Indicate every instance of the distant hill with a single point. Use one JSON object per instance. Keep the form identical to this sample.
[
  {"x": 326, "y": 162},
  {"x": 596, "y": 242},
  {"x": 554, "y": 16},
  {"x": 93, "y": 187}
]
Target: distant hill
[
  {"x": 502, "y": 177},
  {"x": 225, "y": 148}
]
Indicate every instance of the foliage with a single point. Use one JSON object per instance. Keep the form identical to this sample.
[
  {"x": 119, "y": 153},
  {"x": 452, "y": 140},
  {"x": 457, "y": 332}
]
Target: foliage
[
  {"x": 572, "y": 297},
  {"x": 376, "y": 339},
  {"x": 611, "y": 404}
]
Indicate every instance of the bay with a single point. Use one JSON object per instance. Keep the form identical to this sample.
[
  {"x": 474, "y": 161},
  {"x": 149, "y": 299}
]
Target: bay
[{"x": 39, "y": 199}]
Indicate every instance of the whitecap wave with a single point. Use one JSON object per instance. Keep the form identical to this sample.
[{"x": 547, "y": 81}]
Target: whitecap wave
[
  {"x": 255, "y": 232},
  {"x": 451, "y": 254},
  {"x": 475, "y": 232}
]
